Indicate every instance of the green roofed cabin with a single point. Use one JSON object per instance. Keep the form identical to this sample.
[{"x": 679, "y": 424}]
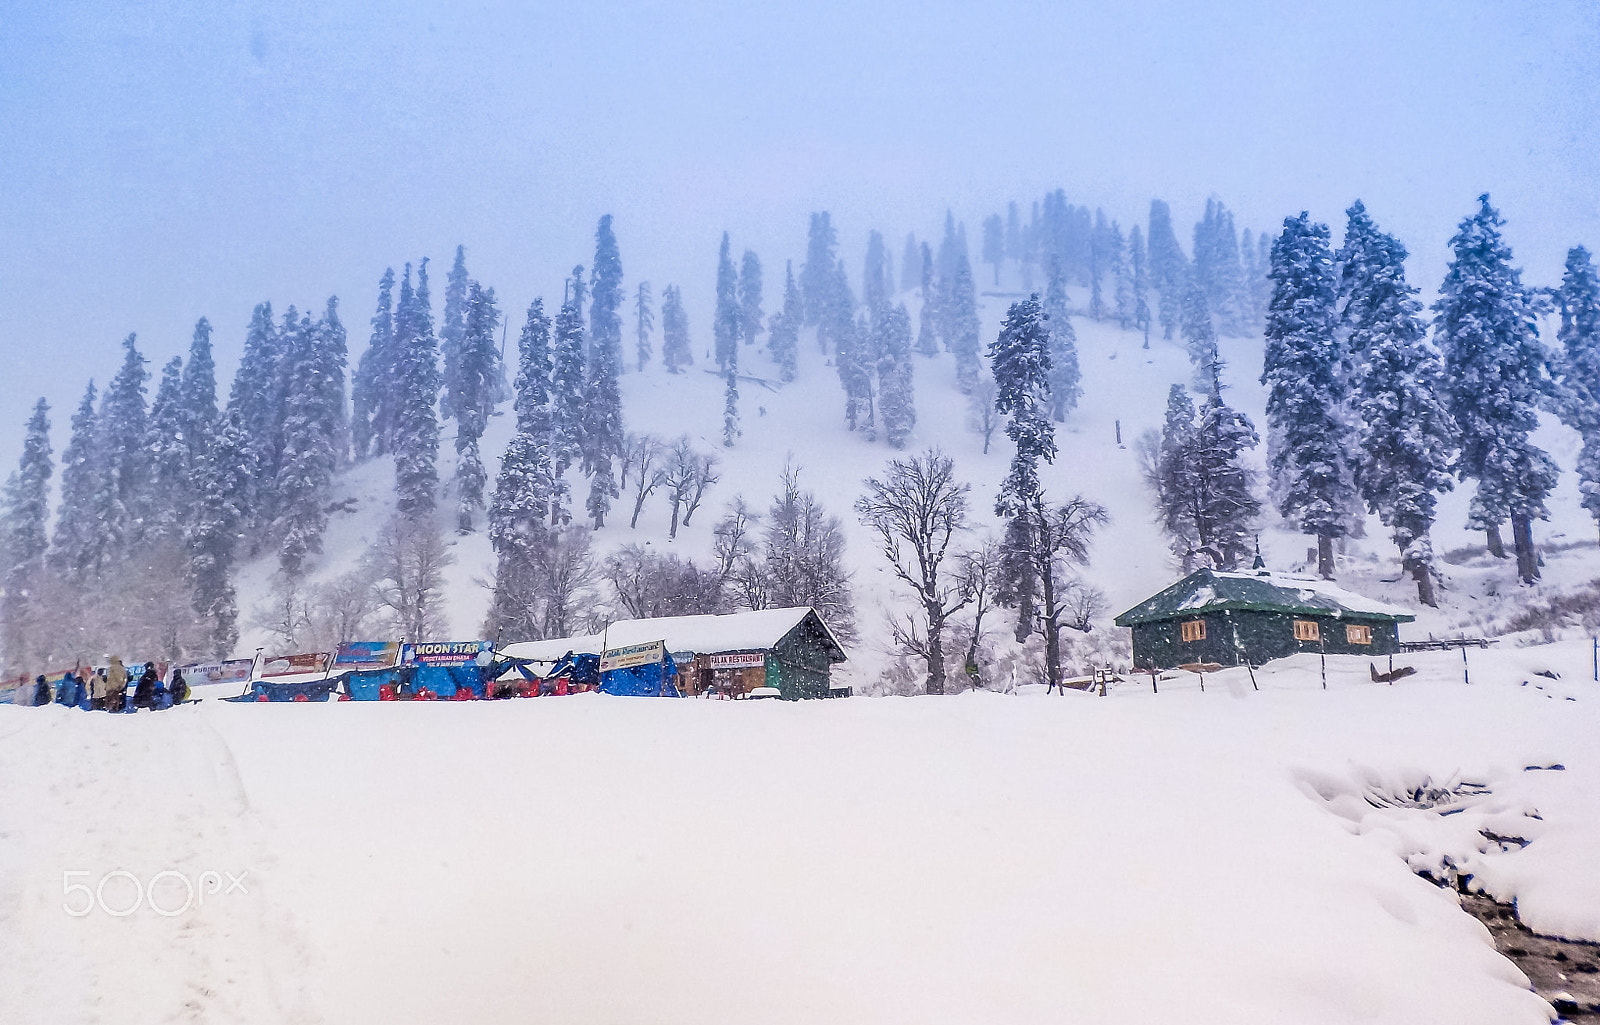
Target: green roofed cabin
[{"x": 1252, "y": 618}]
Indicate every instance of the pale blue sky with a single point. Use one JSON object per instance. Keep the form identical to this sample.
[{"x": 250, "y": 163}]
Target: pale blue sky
[{"x": 161, "y": 161}]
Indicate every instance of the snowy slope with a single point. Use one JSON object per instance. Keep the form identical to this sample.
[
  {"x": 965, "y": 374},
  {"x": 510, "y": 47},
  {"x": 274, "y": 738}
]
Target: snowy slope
[
  {"x": 1207, "y": 857},
  {"x": 1123, "y": 382}
]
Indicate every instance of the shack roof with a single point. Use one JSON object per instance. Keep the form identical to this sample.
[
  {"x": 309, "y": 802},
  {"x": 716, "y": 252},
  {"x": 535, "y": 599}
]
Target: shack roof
[
  {"x": 703, "y": 635},
  {"x": 1209, "y": 590},
  {"x": 553, "y": 648}
]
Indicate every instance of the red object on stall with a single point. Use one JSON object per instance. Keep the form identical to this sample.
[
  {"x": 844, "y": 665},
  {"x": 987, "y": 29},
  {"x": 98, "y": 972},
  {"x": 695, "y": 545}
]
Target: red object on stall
[
  {"x": 385, "y": 692},
  {"x": 301, "y": 697}
]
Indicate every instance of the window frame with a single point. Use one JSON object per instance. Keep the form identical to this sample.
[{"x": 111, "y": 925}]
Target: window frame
[
  {"x": 1184, "y": 630},
  {"x": 1307, "y": 630},
  {"x": 1357, "y": 633}
]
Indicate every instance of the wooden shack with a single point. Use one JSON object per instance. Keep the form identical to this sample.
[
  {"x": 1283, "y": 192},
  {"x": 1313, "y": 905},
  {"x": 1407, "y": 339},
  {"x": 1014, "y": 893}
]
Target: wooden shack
[
  {"x": 789, "y": 650},
  {"x": 1252, "y": 618}
]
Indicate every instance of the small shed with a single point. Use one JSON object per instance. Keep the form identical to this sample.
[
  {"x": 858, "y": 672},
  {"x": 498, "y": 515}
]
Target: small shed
[{"x": 1252, "y": 618}]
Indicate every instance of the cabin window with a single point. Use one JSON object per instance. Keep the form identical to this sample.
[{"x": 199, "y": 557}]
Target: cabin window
[
  {"x": 1307, "y": 630},
  {"x": 1193, "y": 629},
  {"x": 1354, "y": 634}
]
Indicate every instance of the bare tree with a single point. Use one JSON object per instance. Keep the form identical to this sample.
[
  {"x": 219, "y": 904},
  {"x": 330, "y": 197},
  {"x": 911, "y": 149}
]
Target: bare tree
[
  {"x": 751, "y": 585},
  {"x": 982, "y": 416},
  {"x": 650, "y": 584},
  {"x": 643, "y": 453},
  {"x": 1058, "y": 537},
  {"x": 803, "y": 558},
  {"x": 680, "y": 470},
  {"x": 1081, "y": 604},
  {"x": 917, "y": 510},
  {"x": 339, "y": 610},
  {"x": 635, "y": 578},
  {"x": 283, "y": 614},
  {"x": 569, "y": 577},
  {"x": 731, "y": 544},
  {"x": 910, "y": 636},
  {"x": 705, "y": 475},
  {"x": 1147, "y": 452},
  {"x": 150, "y": 594},
  {"x": 980, "y": 575},
  {"x": 407, "y": 563}
]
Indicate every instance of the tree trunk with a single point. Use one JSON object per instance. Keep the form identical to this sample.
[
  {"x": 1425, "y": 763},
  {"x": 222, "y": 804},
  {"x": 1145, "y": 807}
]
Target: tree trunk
[
  {"x": 1522, "y": 537},
  {"x": 672, "y": 532},
  {"x": 1424, "y": 579},
  {"x": 1020, "y": 538},
  {"x": 935, "y": 656},
  {"x": 1325, "y": 556},
  {"x": 1052, "y": 630},
  {"x": 1497, "y": 547}
]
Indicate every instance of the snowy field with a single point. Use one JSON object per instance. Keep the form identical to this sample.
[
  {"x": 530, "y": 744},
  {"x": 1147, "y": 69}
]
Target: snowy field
[{"x": 1227, "y": 856}]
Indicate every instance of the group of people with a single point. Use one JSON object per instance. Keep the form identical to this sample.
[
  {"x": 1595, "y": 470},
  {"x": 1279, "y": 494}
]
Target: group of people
[{"x": 106, "y": 689}]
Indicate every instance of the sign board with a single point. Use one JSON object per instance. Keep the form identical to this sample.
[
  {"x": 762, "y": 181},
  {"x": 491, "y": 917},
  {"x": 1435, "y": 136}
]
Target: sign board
[
  {"x": 233, "y": 671},
  {"x": 448, "y": 653},
  {"x": 738, "y": 660},
  {"x": 364, "y": 656},
  {"x": 136, "y": 670},
  {"x": 292, "y": 665},
  {"x": 651, "y": 653}
]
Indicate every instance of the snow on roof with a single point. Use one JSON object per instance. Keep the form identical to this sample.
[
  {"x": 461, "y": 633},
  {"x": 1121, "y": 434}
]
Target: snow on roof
[
  {"x": 1328, "y": 589},
  {"x": 1275, "y": 592},
  {"x": 553, "y": 648},
  {"x": 702, "y": 635}
]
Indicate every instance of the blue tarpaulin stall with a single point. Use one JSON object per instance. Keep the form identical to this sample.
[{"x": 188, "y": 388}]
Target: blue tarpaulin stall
[
  {"x": 639, "y": 671},
  {"x": 579, "y": 667},
  {"x": 446, "y": 667},
  {"x": 287, "y": 690},
  {"x": 363, "y": 685},
  {"x": 656, "y": 680},
  {"x": 300, "y": 677},
  {"x": 365, "y": 666}
]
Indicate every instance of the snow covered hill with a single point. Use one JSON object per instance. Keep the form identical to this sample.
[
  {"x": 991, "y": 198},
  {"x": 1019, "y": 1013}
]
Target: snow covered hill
[
  {"x": 1125, "y": 385},
  {"x": 1226, "y": 856}
]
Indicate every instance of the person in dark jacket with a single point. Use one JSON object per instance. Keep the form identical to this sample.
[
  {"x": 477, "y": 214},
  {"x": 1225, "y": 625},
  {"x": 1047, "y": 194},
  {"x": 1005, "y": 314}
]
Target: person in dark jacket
[
  {"x": 144, "y": 692},
  {"x": 41, "y": 691},
  {"x": 180, "y": 687},
  {"x": 67, "y": 689}
]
